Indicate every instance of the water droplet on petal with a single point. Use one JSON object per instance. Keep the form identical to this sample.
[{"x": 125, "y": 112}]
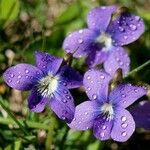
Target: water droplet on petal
[
  {"x": 137, "y": 18},
  {"x": 74, "y": 119},
  {"x": 19, "y": 76},
  {"x": 121, "y": 29},
  {"x": 18, "y": 81},
  {"x": 135, "y": 90},
  {"x": 88, "y": 77},
  {"x": 67, "y": 96},
  {"x": 124, "y": 133},
  {"x": 124, "y": 125},
  {"x": 103, "y": 7},
  {"x": 104, "y": 127},
  {"x": 86, "y": 113},
  {"x": 133, "y": 27},
  {"x": 64, "y": 83},
  {"x": 65, "y": 91},
  {"x": 102, "y": 134},
  {"x": 102, "y": 77},
  {"x": 87, "y": 128},
  {"x": 12, "y": 75},
  {"x": 123, "y": 95},
  {"x": 63, "y": 117},
  {"x": 26, "y": 71},
  {"x": 120, "y": 63},
  {"x": 94, "y": 96},
  {"x": 9, "y": 80},
  {"x": 81, "y": 31},
  {"x": 91, "y": 81},
  {"x": 138, "y": 24},
  {"x": 80, "y": 41},
  {"x": 123, "y": 118},
  {"x": 70, "y": 35},
  {"x": 125, "y": 37},
  {"x": 27, "y": 76},
  {"x": 88, "y": 88},
  {"x": 64, "y": 100}
]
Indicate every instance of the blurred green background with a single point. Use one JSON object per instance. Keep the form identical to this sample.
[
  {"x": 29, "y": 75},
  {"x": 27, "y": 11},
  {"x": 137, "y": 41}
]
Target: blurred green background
[{"x": 29, "y": 25}]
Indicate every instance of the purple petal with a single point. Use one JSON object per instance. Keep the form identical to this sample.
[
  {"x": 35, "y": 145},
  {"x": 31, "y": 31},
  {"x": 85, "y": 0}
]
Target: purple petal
[
  {"x": 97, "y": 57},
  {"x": 126, "y": 29},
  {"x": 126, "y": 94},
  {"x": 98, "y": 18},
  {"x": 96, "y": 84},
  {"x": 85, "y": 113},
  {"x": 47, "y": 63},
  {"x": 124, "y": 125},
  {"x": 102, "y": 128},
  {"x": 36, "y": 102},
  {"x": 70, "y": 77},
  {"x": 141, "y": 115},
  {"x": 22, "y": 76},
  {"x": 118, "y": 58},
  {"x": 62, "y": 104},
  {"x": 79, "y": 43}
]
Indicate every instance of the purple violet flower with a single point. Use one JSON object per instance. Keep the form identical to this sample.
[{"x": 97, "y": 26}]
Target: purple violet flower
[
  {"x": 48, "y": 82},
  {"x": 104, "y": 112},
  {"x": 104, "y": 37},
  {"x": 141, "y": 115}
]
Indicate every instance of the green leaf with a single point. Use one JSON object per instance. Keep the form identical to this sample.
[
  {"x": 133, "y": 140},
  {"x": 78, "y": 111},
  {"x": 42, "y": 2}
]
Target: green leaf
[{"x": 9, "y": 10}]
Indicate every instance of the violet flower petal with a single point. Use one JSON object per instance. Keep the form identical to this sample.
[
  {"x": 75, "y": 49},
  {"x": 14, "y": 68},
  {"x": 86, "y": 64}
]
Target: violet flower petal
[
  {"x": 79, "y": 43},
  {"x": 85, "y": 113},
  {"x": 70, "y": 77},
  {"x": 126, "y": 94},
  {"x": 102, "y": 128},
  {"x": 47, "y": 63},
  {"x": 99, "y": 17},
  {"x": 22, "y": 76},
  {"x": 36, "y": 102},
  {"x": 126, "y": 29},
  {"x": 124, "y": 125},
  {"x": 141, "y": 115},
  {"x": 62, "y": 104},
  {"x": 118, "y": 58},
  {"x": 96, "y": 84}
]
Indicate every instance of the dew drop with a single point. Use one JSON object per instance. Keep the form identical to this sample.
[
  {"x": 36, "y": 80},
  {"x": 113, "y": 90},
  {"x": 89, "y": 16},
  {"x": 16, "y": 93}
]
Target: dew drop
[
  {"x": 123, "y": 95},
  {"x": 9, "y": 80},
  {"x": 27, "y": 76},
  {"x": 133, "y": 27},
  {"x": 87, "y": 128},
  {"x": 80, "y": 31},
  {"x": 64, "y": 100},
  {"x": 120, "y": 63},
  {"x": 104, "y": 127},
  {"x": 19, "y": 76},
  {"x": 64, "y": 83},
  {"x": 70, "y": 35},
  {"x": 88, "y": 88},
  {"x": 102, "y": 77},
  {"x": 65, "y": 91},
  {"x": 74, "y": 119},
  {"x": 91, "y": 81},
  {"x": 124, "y": 133},
  {"x": 12, "y": 75},
  {"x": 102, "y": 134},
  {"x": 124, "y": 125},
  {"x": 63, "y": 117},
  {"x": 121, "y": 29},
  {"x": 123, "y": 118},
  {"x": 137, "y": 18},
  {"x": 86, "y": 113},
  {"x": 103, "y": 7},
  {"x": 18, "y": 81},
  {"x": 135, "y": 90},
  {"x": 67, "y": 96},
  {"x": 26, "y": 71},
  {"x": 138, "y": 24},
  {"x": 80, "y": 41},
  {"x": 88, "y": 77},
  {"x": 125, "y": 37},
  {"x": 94, "y": 96}
]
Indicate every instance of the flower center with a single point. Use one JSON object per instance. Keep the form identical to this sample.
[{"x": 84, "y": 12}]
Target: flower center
[
  {"x": 48, "y": 85},
  {"x": 105, "y": 40},
  {"x": 107, "y": 110}
]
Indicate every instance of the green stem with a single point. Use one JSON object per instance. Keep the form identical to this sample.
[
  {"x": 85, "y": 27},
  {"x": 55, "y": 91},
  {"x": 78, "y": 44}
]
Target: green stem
[
  {"x": 134, "y": 71},
  {"x": 30, "y": 124},
  {"x": 13, "y": 117}
]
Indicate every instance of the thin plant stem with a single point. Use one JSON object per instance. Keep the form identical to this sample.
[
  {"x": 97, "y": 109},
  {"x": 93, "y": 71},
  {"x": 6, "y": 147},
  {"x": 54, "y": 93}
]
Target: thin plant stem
[{"x": 134, "y": 71}]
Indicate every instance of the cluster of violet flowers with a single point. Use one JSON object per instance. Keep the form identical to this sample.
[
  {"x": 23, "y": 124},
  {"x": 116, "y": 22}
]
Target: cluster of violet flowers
[{"x": 101, "y": 43}]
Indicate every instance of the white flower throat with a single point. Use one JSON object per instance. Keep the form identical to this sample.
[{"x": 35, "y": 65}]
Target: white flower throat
[
  {"x": 48, "y": 85},
  {"x": 107, "y": 110},
  {"x": 105, "y": 39}
]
